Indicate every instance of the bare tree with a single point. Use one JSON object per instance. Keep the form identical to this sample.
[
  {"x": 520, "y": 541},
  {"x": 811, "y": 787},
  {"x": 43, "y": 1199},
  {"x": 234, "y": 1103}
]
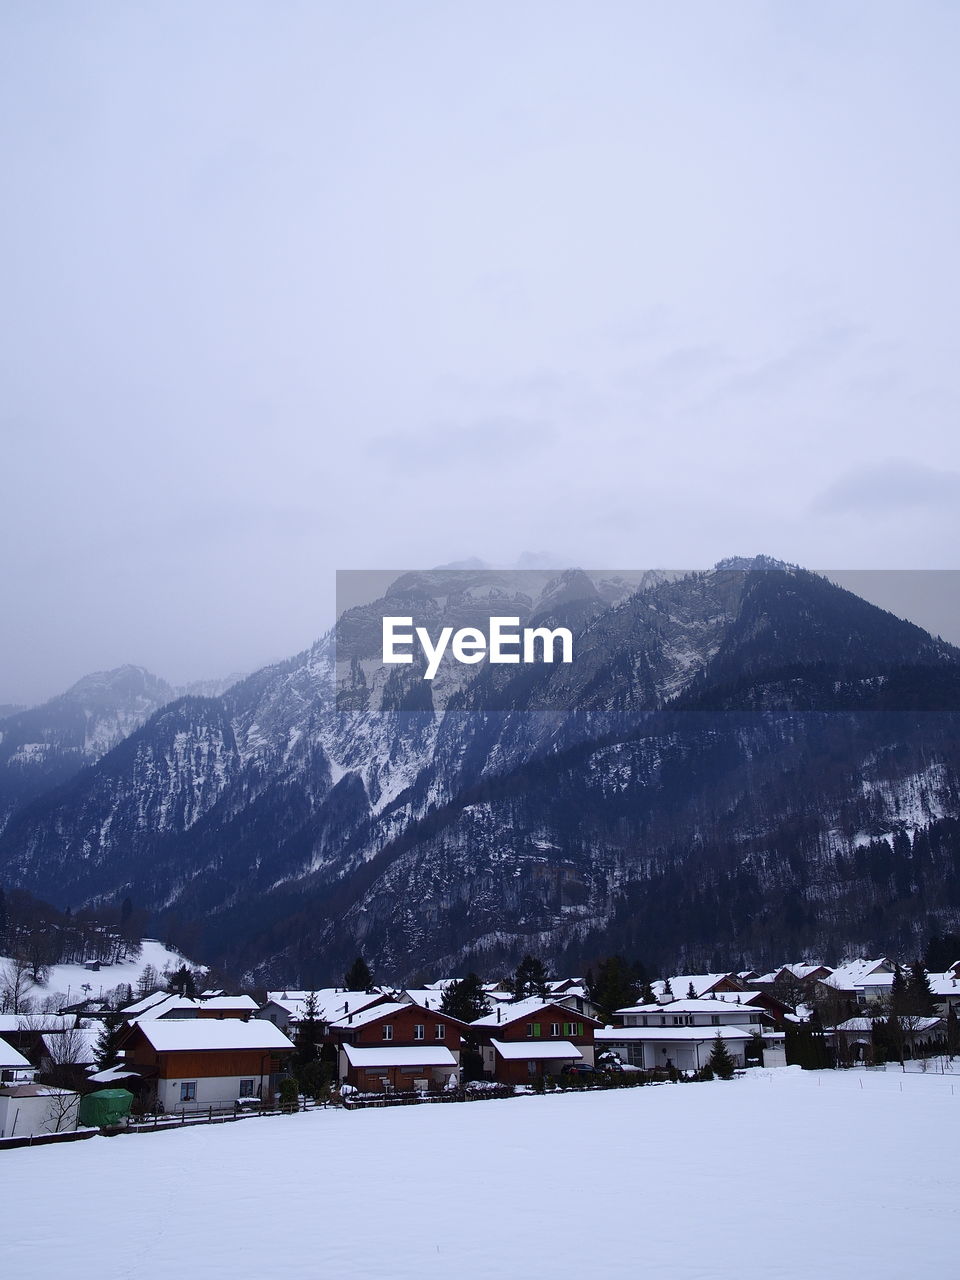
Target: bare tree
[
  {"x": 16, "y": 985},
  {"x": 62, "y": 1111},
  {"x": 66, "y": 1058}
]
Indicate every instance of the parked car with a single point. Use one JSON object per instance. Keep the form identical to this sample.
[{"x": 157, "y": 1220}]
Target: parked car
[{"x": 578, "y": 1069}]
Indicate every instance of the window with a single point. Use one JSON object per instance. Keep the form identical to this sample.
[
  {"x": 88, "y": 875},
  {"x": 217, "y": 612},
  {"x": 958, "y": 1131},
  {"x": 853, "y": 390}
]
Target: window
[
  {"x": 188, "y": 1091},
  {"x": 714, "y": 1019},
  {"x": 554, "y": 1028},
  {"x": 246, "y": 1088},
  {"x": 532, "y": 1068},
  {"x": 418, "y": 1031},
  {"x": 439, "y": 1031},
  {"x": 388, "y": 1031},
  {"x": 573, "y": 1028}
]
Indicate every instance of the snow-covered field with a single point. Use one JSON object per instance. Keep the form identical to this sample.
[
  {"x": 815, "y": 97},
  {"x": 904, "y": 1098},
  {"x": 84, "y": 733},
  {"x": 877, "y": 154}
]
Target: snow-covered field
[
  {"x": 70, "y": 980},
  {"x": 779, "y": 1174}
]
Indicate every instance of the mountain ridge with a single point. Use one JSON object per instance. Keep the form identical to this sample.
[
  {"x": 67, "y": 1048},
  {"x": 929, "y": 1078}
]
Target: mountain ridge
[{"x": 285, "y": 829}]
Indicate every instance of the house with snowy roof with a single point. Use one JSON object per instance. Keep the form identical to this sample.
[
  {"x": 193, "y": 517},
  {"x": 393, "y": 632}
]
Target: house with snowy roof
[
  {"x": 527, "y": 1039},
  {"x": 860, "y": 982},
  {"x": 398, "y": 1046},
  {"x": 853, "y": 1038},
  {"x": 286, "y": 1008},
  {"x": 194, "y": 1063},
  {"x": 25, "y": 1031},
  {"x": 682, "y": 1033},
  {"x": 946, "y": 989},
  {"x": 15, "y": 1068},
  {"x": 678, "y": 987}
]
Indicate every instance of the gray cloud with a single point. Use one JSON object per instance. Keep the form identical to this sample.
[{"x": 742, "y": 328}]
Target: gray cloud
[
  {"x": 892, "y": 485},
  {"x": 292, "y": 288}
]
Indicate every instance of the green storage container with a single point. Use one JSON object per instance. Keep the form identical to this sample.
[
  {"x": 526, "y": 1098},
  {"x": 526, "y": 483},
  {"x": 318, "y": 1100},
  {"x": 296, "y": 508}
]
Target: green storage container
[{"x": 105, "y": 1107}]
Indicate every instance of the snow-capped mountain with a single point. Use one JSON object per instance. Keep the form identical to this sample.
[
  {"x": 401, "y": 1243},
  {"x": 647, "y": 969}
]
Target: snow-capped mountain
[
  {"x": 41, "y": 747},
  {"x": 736, "y": 758}
]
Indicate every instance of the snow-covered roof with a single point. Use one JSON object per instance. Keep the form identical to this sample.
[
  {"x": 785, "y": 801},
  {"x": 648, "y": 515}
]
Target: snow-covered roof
[
  {"x": 155, "y": 997},
  {"x": 441, "y": 984},
  {"x": 171, "y": 1007},
  {"x": 536, "y": 1050},
  {"x": 11, "y": 1057},
  {"x": 702, "y": 982},
  {"x": 851, "y": 975},
  {"x": 910, "y": 1024},
  {"x": 111, "y": 1074},
  {"x": 428, "y": 997},
  {"x": 373, "y": 1014},
  {"x": 677, "y": 1007},
  {"x": 213, "y": 1033},
  {"x": 33, "y": 1091},
  {"x": 706, "y": 1034},
  {"x": 230, "y": 1002},
  {"x": 332, "y": 1002},
  {"x": 800, "y": 971},
  {"x": 941, "y": 984},
  {"x": 13, "y": 1022},
  {"x": 400, "y": 1056},
  {"x": 529, "y": 1008}
]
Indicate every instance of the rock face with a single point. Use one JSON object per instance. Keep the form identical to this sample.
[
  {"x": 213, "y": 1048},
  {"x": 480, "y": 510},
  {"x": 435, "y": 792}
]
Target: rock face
[{"x": 737, "y": 762}]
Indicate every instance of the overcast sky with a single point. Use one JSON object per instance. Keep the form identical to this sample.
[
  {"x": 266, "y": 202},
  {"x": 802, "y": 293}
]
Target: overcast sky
[{"x": 286, "y": 288}]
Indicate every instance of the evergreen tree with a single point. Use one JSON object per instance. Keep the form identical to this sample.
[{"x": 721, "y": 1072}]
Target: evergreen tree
[
  {"x": 530, "y": 978},
  {"x": 667, "y": 988},
  {"x": 615, "y": 985},
  {"x": 691, "y": 991},
  {"x": 953, "y": 1032},
  {"x": 942, "y": 951},
  {"x": 359, "y": 976},
  {"x": 181, "y": 983},
  {"x": 720, "y": 1061},
  {"x": 106, "y": 1050},
  {"x": 465, "y": 999},
  {"x": 898, "y": 991},
  {"x": 646, "y": 992},
  {"x": 309, "y": 1035},
  {"x": 919, "y": 993}
]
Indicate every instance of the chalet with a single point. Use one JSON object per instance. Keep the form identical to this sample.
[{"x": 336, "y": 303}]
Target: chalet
[
  {"x": 172, "y": 1006},
  {"x": 522, "y": 1041},
  {"x": 945, "y": 987},
  {"x": 221, "y": 1006},
  {"x": 25, "y": 1031},
  {"x": 285, "y": 1008},
  {"x": 703, "y": 984},
  {"x": 858, "y": 983},
  {"x": 14, "y": 1067},
  {"x": 398, "y": 1045},
  {"x": 201, "y": 1062},
  {"x": 854, "y": 1037},
  {"x": 791, "y": 975},
  {"x": 682, "y": 1033}
]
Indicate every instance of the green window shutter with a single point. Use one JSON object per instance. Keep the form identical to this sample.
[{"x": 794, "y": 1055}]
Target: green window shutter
[{"x": 536, "y": 1028}]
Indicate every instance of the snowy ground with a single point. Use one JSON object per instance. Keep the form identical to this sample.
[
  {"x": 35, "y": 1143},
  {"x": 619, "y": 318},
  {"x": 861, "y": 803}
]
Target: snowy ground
[
  {"x": 777, "y": 1175},
  {"x": 70, "y": 979}
]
